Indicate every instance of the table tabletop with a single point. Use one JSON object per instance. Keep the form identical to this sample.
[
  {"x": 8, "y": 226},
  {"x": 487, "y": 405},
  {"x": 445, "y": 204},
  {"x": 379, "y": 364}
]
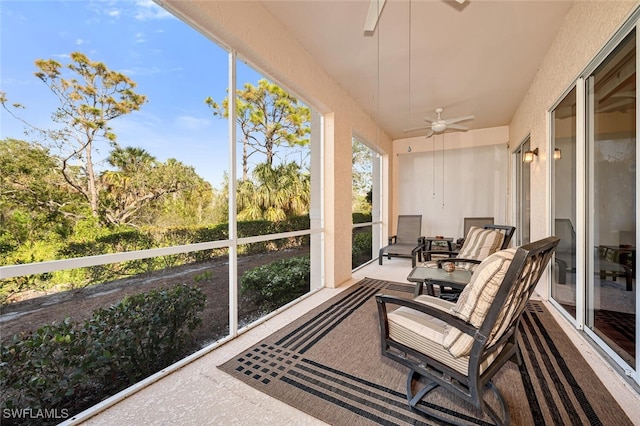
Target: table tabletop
[
  {"x": 422, "y": 275},
  {"x": 432, "y": 242}
]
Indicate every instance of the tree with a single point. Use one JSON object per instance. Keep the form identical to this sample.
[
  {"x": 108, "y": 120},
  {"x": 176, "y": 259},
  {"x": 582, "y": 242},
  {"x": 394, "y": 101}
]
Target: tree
[
  {"x": 139, "y": 182},
  {"x": 278, "y": 192},
  {"x": 32, "y": 192},
  {"x": 268, "y": 117},
  {"x": 361, "y": 185},
  {"x": 37, "y": 210},
  {"x": 30, "y": 178},
  {"x": 89, "y": 100}
]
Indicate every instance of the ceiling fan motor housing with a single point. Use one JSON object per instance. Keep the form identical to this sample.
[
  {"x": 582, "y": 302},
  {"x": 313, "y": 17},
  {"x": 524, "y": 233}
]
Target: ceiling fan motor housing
[{"x": 438, "y": 127}]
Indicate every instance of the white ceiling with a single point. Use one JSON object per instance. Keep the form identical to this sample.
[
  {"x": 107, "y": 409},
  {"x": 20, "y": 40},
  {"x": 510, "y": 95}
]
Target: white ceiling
[{"x": 474, "y": 58}]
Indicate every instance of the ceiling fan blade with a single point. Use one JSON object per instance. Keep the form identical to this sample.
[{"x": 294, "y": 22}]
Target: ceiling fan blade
[
  {"x": 430, "y": 119},
  {"x": 373, "y": 15},
  {"x": 457, "y": 127},
  {"x": 430, "y": 133},
  {"x": 459, "y": 119},
  {"x": 412, "y": 129}
]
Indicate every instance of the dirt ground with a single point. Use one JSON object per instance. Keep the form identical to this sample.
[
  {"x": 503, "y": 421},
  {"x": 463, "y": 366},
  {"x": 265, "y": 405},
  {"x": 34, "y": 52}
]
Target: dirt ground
[{"x": 31, "y": 314}]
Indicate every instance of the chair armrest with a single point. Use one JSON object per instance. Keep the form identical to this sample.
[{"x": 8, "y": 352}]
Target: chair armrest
[
  {"x": 422, "y": 244},
  {"x": 426, "y": 254},
  {"x": 457, "y": 260},
  {"x": 451, "y": 254},
  {"x": 383, "y": 300},
  {"x": 416, "y": 253}
]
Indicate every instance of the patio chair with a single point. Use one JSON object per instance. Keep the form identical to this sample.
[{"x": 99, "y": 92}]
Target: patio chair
[
  {"x": 479, "y": 243},
  {"x": 607, "y": 261},
  {"x": 473, "y": 221},
  {"x": 566, "y": 253},
  {"x": 407, "y": 241},
  {"x": 460, "y": 346}
]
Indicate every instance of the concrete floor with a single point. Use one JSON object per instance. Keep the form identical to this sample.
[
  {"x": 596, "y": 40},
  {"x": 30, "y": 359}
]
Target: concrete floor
[{"x": 198, "y": 393}]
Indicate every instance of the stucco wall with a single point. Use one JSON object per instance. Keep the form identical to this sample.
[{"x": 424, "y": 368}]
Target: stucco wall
[
  {"x": 448, "y": 219},
  {"x": 586, "y": 29},
  {"x": 248, "y": 29}
]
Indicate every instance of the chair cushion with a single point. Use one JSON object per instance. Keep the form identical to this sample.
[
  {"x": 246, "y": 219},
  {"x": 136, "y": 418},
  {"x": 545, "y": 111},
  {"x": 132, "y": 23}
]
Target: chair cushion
[
  {"x": 475, "y": 300},
  {"x": 400, "y": 249},
  {"x": 478, "y": 244},
  {"x": 424, "y": 333}
]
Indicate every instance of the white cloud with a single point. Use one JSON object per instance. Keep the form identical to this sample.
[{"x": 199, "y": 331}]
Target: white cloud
[
  {"x": 192, "y": 123},
  {"x": 148, "y": 10},
  {"x": 114, "y": 13},
  {"x": 80, "y": 42},
  {"x": 148, "y": 71}
]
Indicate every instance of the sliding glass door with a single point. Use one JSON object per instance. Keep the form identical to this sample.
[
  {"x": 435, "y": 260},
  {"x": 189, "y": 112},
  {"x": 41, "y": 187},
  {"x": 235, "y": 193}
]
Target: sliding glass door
[
  {"x": 563, "y": 137},
  {"x": 594, "y": 201},
  {"x": 523, "y": 194},
  {"x": 611, "y": 200}
]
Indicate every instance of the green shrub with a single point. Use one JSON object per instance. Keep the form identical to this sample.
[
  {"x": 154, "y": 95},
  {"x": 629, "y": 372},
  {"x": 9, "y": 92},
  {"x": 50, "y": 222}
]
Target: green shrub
[
  {"x": 277, "y": 283},
  {"x": 360, "y": 217},
  {"x": 361, "y": 247},
  {"x": 90, "y": 239},
  {"x": 72, "y": 366}
]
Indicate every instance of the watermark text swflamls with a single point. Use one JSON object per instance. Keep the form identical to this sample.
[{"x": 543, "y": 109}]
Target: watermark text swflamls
[{"x": 35, "y": 414}]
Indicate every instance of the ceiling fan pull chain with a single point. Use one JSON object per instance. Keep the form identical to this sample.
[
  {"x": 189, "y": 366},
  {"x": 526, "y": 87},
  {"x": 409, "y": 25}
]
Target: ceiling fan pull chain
[
  {"x": 433, "y": 168},
  {"x": 443, "y": 172}
]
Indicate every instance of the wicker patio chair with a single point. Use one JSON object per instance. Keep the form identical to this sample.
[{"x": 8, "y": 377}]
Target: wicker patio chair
[{"x": 460, "y": 346}]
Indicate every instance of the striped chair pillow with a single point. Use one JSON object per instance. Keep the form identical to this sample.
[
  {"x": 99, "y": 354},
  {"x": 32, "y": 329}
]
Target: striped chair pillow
[
  {"x": 475, "y": 300},
  {"x": 479, "y": 244}
]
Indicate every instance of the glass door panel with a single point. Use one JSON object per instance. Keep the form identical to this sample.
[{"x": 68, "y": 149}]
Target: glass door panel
[
  {"x": 362, "y": 200},
  {"x": 523, "y": 194},
  {"x": 611, "y": 160},
  {"x": 563, "y": 286}
]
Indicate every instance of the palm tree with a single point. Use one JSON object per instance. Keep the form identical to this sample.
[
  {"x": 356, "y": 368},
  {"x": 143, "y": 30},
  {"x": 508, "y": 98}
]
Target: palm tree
[{"x": 275, "y": 193}]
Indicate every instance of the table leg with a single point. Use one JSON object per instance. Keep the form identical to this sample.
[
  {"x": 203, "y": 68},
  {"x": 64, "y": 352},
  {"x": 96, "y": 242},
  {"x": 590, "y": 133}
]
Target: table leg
[
  {"x": 430, "y": 290},
  {"x": 420, "y": 285}
]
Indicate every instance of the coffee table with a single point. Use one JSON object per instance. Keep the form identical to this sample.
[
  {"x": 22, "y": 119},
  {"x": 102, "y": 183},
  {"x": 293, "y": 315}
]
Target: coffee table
[{"x": 423, "y": 275}]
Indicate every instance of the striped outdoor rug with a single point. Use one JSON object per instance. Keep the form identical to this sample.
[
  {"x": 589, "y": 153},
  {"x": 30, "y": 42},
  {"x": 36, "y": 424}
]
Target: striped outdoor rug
[{"x": 328, "y": 364}]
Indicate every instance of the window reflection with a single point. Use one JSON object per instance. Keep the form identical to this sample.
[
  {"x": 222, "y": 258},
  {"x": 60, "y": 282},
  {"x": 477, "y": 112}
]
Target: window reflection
[
  {"x": 563, "y": 288},
  {"x": 611, "y": 132}
]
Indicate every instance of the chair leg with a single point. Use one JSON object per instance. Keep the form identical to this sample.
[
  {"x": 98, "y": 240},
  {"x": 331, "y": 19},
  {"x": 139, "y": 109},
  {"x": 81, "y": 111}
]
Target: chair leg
[
  {"x": 517, "y": 357},
  {"x": 628, "y": 275},
  {"x": 562, "y": 271},
  {"x": 505, "y": 419},
  {"x": 414, "y": 403}
]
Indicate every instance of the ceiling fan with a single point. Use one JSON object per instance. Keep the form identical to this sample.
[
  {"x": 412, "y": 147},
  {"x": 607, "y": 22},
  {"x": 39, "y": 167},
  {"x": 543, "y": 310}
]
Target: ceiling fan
[
  {"x": 439, "y": 125},
  {"x": 375, "y": 9}
]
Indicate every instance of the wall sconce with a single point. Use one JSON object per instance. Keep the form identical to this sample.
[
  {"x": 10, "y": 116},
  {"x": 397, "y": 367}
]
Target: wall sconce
[
  {"x": 557, "y": 154},
  {"x": 528, "y": 155}
]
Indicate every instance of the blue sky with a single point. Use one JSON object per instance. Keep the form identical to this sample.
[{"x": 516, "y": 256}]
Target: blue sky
[{"x": 173, "y": 65}]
